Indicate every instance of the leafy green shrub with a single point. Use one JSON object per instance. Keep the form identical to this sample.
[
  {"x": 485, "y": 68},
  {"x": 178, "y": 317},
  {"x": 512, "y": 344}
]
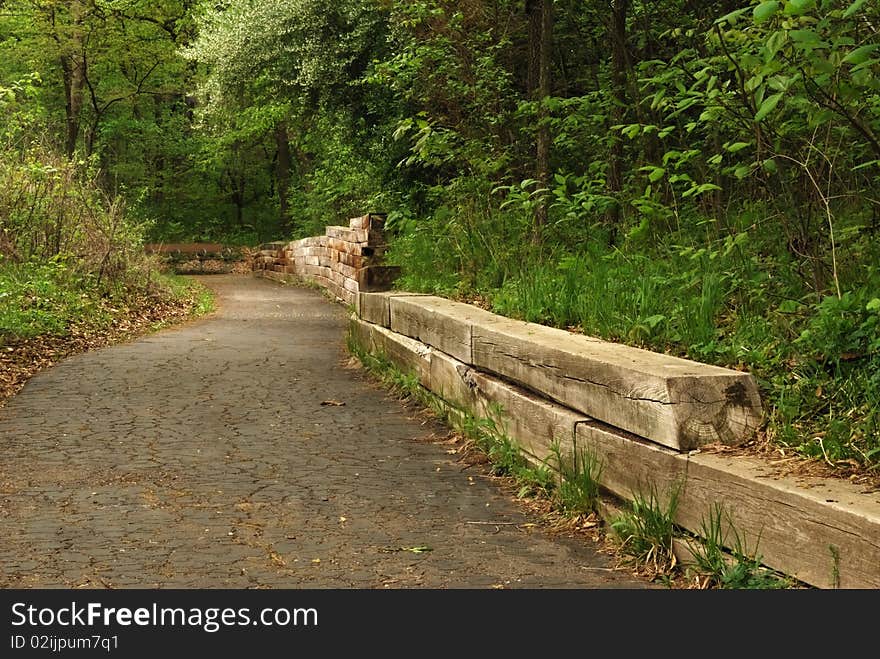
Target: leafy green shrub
[
  {"x": 41, "y": 298},
  {"x": 843, "y": 329}
]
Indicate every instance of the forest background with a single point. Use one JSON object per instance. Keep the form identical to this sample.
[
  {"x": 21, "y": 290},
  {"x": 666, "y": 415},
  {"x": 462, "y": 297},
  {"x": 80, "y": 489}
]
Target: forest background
[{"x": 698, "y": 178}]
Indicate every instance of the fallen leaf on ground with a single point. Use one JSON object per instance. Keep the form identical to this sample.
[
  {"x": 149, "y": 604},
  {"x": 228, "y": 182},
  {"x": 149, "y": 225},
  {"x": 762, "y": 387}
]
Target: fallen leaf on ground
[
  {"x": 415, "y": 550},
  {"x": 334, "y": 403}
]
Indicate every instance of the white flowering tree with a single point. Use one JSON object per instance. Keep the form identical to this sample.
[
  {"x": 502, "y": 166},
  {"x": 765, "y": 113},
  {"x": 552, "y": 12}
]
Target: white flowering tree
[{"x": 269, "y": 66}]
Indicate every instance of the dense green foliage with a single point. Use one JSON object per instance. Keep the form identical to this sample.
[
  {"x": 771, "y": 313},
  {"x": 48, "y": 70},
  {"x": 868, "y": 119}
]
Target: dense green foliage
[
  {"x": 698, "y": 178},
  {"x": 71, "y": 261}
]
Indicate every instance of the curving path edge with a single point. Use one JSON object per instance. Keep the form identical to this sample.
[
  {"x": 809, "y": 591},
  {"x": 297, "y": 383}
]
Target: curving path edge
[{"x": 203, "y": 457}]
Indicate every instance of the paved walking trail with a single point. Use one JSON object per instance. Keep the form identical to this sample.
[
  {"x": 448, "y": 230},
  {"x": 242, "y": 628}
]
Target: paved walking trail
[{"x": 202, "y": 457}]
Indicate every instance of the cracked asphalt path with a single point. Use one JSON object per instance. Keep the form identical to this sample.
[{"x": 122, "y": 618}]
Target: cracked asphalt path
[{"x": 202, "y": 457}]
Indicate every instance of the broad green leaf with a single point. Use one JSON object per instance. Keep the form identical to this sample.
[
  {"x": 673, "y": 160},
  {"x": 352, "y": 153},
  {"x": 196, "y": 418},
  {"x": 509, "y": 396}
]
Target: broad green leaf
[
  {"x": 798, "y": 7},
  {"x": 632, "y": 130},
  {"x": 753, "y": 83},
  {"x": 732, "y": 16},
  {"x": 853, "y": 8},
  {"x": 653, "y": 321},
  {"x": 780, "y": 83},
  {"x": 866, "y": 64},
  {"x": 864, "y": 78},
  {"x": 804, "y": 36},
  {"x": 774, "y": 43},
  {"x": 769, "y": 166},
  {"x": 759, "y": 95},
  {"x": 659, "y": 96},
  {"x": 552, "y": 103},
  {"x": 709, "y": 114},
  {"x": 656, "y": 174},
  {"x": 765, "y": 11},
  {"x": 768, "y": 106},
  {"x": 700, "y": 189},
  {"x": 737, "y": 146},
  {"x": 671, "y": 155},
  {"x": 860, "y": 54},
  {"x": 839, "y": 41},
  {"x": 873, "y": 305}
]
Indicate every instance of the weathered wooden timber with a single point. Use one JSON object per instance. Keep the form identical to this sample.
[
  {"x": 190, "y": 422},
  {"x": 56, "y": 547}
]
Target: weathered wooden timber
[
  {"x": 375, "y": 307},
  {"x": 538, "y": 425},
  {"x": 347, "y": 234},
  {"x": 345, "y": 261},
  {"x": 409, "y": 355},
  {"x": 676, "y": 402},
  {"x": 441, "y": 323},
  {"x": 823, "y": 532}
]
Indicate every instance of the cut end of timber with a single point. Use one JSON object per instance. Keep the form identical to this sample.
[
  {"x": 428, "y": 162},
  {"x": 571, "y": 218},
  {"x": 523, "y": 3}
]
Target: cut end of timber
[{"x": 715, "y": 409}]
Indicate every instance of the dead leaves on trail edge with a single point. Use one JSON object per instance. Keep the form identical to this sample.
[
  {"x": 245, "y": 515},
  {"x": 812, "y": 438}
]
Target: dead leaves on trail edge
[{"x": 21, "y": 359}]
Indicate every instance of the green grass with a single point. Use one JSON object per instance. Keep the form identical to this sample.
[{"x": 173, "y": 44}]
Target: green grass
[
  {"x": 647, "y": 530},
  {"x": 50, "y": 298},
  {"x": 738, "y": 568},
  {"x": 736, "y": 301},
  {"x": 45, "y": 298},
  {"x": 182, "y": 287},
  {"x": 579, "y": 487}
]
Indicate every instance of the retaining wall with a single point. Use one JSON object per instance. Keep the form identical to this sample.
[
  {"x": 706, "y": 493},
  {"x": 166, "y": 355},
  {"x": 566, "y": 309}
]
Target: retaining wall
[
  {"x": 345, "y": 260},
  {"x": 654, "y": 421},
  {"x": 645, "y": 416}
]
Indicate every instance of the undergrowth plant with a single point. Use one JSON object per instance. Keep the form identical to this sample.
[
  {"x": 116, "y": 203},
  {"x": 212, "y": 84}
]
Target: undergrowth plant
[
  {"x": 579, "y": 472},
  {"x": 738, "y": 568},
  {"x": 646, "y": 531}
]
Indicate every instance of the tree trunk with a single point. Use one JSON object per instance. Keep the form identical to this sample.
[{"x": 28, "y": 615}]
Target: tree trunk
[
  {"x": 74, "y": 83},
  {"x": 619, "y": 10},
  {"x": 282, "y": 173},
  {"x": 540, "y": 14},
  {"x": 73, "y": 72}
]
